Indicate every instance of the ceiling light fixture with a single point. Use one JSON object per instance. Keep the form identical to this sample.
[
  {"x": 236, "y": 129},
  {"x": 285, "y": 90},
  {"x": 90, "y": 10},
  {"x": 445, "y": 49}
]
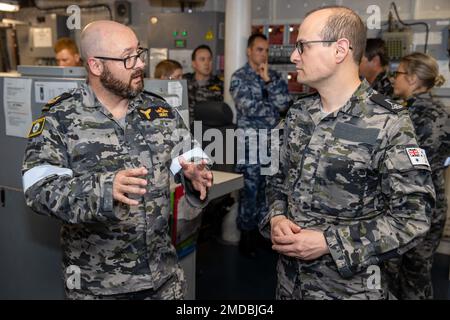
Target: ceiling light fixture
[{"x": 9, "y": 6}]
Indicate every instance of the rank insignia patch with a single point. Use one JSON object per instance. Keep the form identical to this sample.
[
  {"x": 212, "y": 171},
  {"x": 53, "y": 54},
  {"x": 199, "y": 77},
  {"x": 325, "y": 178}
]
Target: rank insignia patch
[
  {"x": 146, "y": 113},
  {"x": 153, "y": 113},
  {"x": 163, "y": 112},
  {"x": 36, "y": 127}
]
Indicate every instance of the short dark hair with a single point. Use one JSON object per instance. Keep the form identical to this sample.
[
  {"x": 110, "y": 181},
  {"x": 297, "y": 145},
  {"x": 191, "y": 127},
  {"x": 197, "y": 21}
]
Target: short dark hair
[
  {"x": 345, "y": 23},
  {"x": 376, "y": 47},
  {"x": 253, "y": 37},
  {"x": 201, "y": 47}
]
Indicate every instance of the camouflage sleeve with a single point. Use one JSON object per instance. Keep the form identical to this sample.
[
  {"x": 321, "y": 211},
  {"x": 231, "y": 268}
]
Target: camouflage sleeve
[
  {"x": 278, "y": 92},
  {"x": 51, "y": 188},
  {"x": 409, "y": 195},
  {"x": 239, "y": 92},
  {"x": 185, "y": 143},
  {"x": 433, "y": 133},
  {"x": 275, "y": 184},
  {"x": 244, "y": 100}
]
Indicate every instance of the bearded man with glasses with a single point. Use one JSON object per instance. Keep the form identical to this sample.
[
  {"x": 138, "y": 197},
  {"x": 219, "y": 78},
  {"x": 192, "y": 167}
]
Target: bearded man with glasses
[{"x": 99, "y": 160}]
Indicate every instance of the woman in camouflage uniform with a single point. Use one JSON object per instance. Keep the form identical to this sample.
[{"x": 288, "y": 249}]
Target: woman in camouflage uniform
[{"x": 417, "y": 74}]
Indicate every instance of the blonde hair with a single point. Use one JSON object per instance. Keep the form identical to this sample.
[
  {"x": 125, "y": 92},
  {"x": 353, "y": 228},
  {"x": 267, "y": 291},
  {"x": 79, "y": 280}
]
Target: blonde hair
[{"x": 425, "y": 68}]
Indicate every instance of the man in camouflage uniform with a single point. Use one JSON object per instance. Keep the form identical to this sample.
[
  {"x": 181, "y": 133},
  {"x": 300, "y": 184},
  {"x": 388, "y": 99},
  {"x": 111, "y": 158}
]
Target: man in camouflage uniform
[
  {"x": 374, "y": 66},
  {"x": 202, "y": 84},
  {"x": 98, "y": 160},
  {"x": 347, "y": 195},
  {"x": 259, "y": 94}
]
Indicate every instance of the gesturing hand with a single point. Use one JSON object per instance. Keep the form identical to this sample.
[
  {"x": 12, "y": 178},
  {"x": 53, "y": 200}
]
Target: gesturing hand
[
  {"x": 199, "y": 175},
  {"x": 264, "y": 71},
  {"x": 127, "y": 182}
]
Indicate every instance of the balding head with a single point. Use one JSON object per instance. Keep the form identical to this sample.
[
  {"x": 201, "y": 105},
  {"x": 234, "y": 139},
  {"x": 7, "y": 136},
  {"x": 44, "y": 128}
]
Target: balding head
[
  {"x": 337, "y": 22},
  {"x": 105, "y": 38}
]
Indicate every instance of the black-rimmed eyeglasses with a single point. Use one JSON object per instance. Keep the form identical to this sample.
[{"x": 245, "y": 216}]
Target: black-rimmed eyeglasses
[
  {"x": 299, "y": 44},
  {"x": 130, "y": 61}
]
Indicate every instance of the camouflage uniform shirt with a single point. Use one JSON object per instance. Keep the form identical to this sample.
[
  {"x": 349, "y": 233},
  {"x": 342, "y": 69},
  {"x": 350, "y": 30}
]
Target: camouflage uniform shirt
[
  {"x": 348, "y": 175},
  {"x": 383, "y": 85},
  {"x": 74, "y": 152},
  {"x": 258, "y": 105},
  {"x": 211, "y": 90},
  {"x": 431, "y": 121}
]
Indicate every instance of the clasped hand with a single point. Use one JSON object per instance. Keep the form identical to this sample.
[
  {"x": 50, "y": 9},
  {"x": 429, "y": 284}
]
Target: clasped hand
[{"x": 291, "y": 240}]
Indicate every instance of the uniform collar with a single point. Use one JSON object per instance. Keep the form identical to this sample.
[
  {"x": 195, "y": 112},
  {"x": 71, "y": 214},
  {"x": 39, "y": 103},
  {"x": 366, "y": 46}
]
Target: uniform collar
[
  {"x": 422, "y": 95},
  {"x": 416, "y": 96},
  {"x": 248, "y": 68},
  {"x": 354, "y": 106},
  {"x": 90, "y": 99}
]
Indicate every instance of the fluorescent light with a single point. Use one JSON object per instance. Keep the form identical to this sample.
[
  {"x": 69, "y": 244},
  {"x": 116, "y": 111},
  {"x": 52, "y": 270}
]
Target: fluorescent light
[
  {"x": 13, "y": 22},
  {"x": 9, "y": 7}
]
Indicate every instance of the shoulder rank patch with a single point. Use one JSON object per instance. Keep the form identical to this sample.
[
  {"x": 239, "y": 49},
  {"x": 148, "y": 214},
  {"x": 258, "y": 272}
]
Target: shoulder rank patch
[
  {"x": 386, "y": 103},
  {"x": 151, "y": 114},
  {"x": 214, "y": 87},
  {"x": 55, "y": 101},
  {"x": 37, "y": 127}
]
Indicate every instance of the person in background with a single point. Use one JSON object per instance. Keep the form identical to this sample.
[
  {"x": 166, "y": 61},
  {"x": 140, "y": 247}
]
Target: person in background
[
  {"x": 260, "y": 94},
  {"x": 202, "y": 84},
  {"x": 374, "y": 67},
  {"x": 417, "y": 74},
  {"x": 168, "y": 70},
  {"x": 66, "y": 53}
]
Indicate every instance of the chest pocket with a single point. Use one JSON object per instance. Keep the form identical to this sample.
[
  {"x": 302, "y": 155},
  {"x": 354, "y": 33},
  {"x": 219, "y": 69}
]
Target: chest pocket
[
  {"x": 158, "y": 136},
  {"x": 297, "y": 141},
  {"x": 95, "y": 149},
  {"x": 345, "y": 172}
]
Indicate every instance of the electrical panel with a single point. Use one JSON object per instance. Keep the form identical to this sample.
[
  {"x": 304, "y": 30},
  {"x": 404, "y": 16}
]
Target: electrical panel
[
  {"x": 282, "y": 39},
  {"x": 398, "y": 43},
  {"x": 176, "y": 35},
  {"x": 36, "y": 40}
]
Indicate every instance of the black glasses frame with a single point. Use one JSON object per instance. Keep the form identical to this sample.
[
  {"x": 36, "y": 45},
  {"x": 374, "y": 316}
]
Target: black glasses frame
[
  {"x": 299, "y": 44},
  {"x": 141, "y": 54}
]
